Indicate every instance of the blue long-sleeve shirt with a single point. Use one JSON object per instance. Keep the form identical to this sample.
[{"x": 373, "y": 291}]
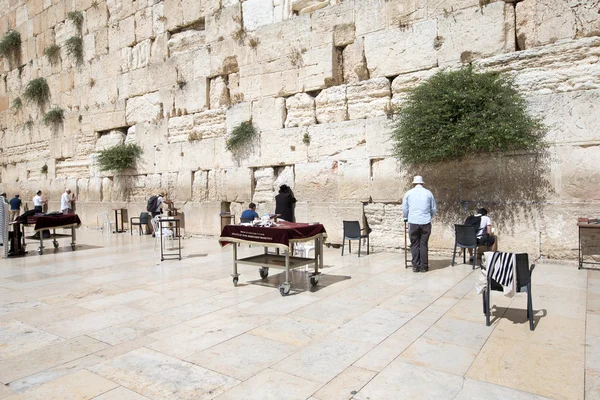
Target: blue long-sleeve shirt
[{"x": 418, "y": 206}]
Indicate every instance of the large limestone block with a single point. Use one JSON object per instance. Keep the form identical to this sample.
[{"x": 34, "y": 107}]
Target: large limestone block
[
  {"x": 387, "y": 228},
  {"x": 183, "y": 13},
  {"x": 354, "y": 68},
  {"x": 136, "y": 57},
  {"x": 335, "y": 23},
  {"x": 210, "y": 123},
  {"x": 205, "y": 220},
  {"x": 257, "y": 13},
  {"x": 188, "y": 40},
  {"x": 353, "y": 179},
  {"x": 561, "y": 67},
  {"x": 200, "y": 186},
  {"x": 143, "y": 108},
  {"x": 385, "y": 176},
  {"x": 317, "y": 182},
  {"x": 145, "y": 80},
  {"x": 118, "y": 9},
  {"x": 379, "y": 137},
  {"x": 198, "y": 154},
  {"x": 226, "y": 23},
  {"x": 406, "y": 12},
  {"x": 237, "y": 114},
  {"x": 219, "y": 93},
  {"x": 273, "y": 84},
  {"x": 542, "y": 22},
  {"x": 570, "y": 117},
  {"x": 111, "y": 139},
  {"x": 269, "y": 113},
  {"x": 402, "y": 84},
  {"x": 370, "y": 16},
  {"x": 320, "y": 67},
  {"x": 64, "y": 31},
  {"x": 578, "y": 180},
  {"x": 264, "y": 188},
  {"x": 193, "y": 97},
  {"x": 107, "y": 121},
  {"x": 158, "y": 19},
  {"x": 180, "y": 127},
  {"x": 344, "y": 34},
  {"x": 332, "y": 215},
  {"x": 400, "y": 50},
  {"x": 101, "y": 42},
  {"x": 331, "y": 105},
  {"x": 96, "y": 17},
  {"x": 293, "y": 32},
  {"x": 300, "y": 110},
  {"x": 283, "y": 146},
  {"x": 143, "y": 24},
  {"x": 342, "y": 139},
  {"x": 475, "y": 32},
  {"x": 239, "y": 184},
  {"x": 368, "y": 99},
  {"x": 122, "y": 34}
]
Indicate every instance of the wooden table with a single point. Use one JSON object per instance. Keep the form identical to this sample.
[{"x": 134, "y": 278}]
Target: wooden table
[
  {"x": 590, "y": 228},
  {"x": 281, "y": 236}
]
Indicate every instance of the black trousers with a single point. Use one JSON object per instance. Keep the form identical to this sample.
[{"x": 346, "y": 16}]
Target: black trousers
[{"x": 419, "y": 241}]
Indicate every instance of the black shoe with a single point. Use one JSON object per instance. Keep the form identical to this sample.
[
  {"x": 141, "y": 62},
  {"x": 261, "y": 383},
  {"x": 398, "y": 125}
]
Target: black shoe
[
  {"x": 416, "y": 269},
  {"x": 424, "y": 269}
]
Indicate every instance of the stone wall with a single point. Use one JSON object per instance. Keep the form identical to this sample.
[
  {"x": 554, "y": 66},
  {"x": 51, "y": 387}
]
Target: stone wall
[{"x": 316, "y": 78}]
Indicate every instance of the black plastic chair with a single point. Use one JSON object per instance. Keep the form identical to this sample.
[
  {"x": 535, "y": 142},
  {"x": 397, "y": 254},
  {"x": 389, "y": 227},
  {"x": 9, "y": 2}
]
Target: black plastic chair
[
  {"x": 352, "y": 231},
  {"x": 141, "y": 222},
  {"x": 524, "y": 271},
  {"x": 465, "y": 238}
]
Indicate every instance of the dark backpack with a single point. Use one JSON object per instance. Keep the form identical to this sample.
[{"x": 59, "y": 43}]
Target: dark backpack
[
  {"x": 152, "y": 204},
  {"x": 473, "y": 221}
]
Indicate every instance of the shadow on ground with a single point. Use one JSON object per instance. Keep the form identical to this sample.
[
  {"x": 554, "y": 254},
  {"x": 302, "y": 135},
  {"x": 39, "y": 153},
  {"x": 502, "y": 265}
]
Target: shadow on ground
[{"x": 300, "y": 281}]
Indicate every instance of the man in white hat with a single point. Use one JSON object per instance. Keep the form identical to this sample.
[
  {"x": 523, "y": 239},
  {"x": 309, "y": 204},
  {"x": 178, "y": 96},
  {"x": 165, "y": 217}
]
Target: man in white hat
[{"x": 418, "y": 207}]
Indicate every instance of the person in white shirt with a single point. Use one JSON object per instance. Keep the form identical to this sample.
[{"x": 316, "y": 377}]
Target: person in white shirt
[
  {"x": 485, "y": 237},
  {"x": 66, "y": 202},
  {"x": 38, "y": 202}
]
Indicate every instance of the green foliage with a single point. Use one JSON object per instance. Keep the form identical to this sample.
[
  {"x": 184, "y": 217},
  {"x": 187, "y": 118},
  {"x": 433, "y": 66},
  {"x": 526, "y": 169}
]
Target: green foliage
[
  {"x": 75, "y": 48},
  {"x": 463, "y": 113},
  {"x": 10, "y": 45},
  {"x": 28, "y": 124},
  {"x": 17, "y": 104},
  {"x": 120, "y": 157},
  {"x": 240, "y": 136},
  {"x": 54, "y": 117},
  {"x": 306, "y": 139},
  {"x": 52, "y": 53},
  {"x": 37, "y": 91},
  {"x": 44, "y": 169},
  {"x": 76, "y": 17}
]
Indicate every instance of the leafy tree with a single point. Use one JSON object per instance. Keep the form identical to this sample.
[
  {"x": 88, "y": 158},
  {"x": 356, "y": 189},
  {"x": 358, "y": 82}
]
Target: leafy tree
[{"x": 463, "y": 113}]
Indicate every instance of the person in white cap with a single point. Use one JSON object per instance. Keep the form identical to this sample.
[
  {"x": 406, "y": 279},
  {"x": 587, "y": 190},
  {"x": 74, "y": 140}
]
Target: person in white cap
[
  {"x": 66, "y": 202},
  {"x": 418, "y": 208}
]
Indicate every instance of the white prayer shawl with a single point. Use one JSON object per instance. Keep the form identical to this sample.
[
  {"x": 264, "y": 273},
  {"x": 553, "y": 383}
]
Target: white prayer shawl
[{"x": 503, "y": 270}]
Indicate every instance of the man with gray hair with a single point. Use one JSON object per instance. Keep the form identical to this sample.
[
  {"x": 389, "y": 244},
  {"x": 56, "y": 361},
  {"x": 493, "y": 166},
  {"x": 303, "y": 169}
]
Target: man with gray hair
[
  {"x": 66, "y": 202},
  {"x": 418, "y": 207}
]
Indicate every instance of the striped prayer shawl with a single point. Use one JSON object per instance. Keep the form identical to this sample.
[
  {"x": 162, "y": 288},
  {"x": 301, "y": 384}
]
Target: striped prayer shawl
[{"x": 502, "y": 266}]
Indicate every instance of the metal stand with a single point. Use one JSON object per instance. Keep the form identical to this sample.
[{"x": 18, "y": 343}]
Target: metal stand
[
  {"x": 120, "y": 215},
  {"x": 173, "y": 224}
]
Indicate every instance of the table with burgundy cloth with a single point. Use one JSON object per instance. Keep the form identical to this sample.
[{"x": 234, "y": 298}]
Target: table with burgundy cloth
[
  {"x": 41, "y": 223},
  {"x": 282, "y": 236}
]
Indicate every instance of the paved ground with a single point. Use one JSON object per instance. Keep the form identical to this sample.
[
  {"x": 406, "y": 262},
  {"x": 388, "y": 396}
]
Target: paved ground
[{"x": 109, "y": 321}]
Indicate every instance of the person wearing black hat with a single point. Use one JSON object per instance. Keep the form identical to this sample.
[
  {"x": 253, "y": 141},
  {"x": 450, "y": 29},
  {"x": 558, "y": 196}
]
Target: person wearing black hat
[
  {"x": 485, "y": 237},
  {"x": 15, "y": 207},
  {"x": 284, "y": 204},
  {"x": 38, "y": 202}
]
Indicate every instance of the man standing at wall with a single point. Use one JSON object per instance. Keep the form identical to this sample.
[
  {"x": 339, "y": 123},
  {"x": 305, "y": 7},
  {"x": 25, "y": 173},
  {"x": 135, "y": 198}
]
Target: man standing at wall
[
  {"x": 38, "y": 202},
  {"x": 15, "y": 207},
  {"x": 66, "y": 202},
  {"x": 418, "y": 207}
]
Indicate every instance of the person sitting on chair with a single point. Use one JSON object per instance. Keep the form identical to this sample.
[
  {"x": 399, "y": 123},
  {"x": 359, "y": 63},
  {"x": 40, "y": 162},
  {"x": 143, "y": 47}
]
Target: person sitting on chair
[
  {"x": 485, "y": 236},
  {"x": 250, "y": 214}
]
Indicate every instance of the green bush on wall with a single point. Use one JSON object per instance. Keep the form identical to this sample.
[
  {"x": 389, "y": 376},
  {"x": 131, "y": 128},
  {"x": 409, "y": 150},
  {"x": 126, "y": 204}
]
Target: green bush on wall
[
  {"x": 76, "y": 17},
  {"x": 52, "y": 53},
  {"x": 120, "y": 157},
  {"x": 463, "y": 113},
  {"x": 54, "y": 117},
  {"x": 10, "y": 45},
  {"x": 37, "y": 91},
  {"x": 75, "y": 48},
  {"x": 240, "y": 136}
]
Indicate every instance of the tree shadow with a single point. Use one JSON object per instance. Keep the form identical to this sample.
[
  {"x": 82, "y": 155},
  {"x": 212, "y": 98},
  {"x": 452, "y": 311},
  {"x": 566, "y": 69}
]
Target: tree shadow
[{"x": 513, "y": 188}]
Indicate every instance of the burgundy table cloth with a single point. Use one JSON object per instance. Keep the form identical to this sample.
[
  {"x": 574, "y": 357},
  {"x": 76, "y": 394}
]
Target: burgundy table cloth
[
  {"x": 279, "y": 235},
  {"x": 54, "y": 221}
]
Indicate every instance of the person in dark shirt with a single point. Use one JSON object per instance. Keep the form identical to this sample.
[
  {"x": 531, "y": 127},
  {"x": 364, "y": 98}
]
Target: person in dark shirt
[
  {"x": 284, "y": 204},
  {"x": 15, "y": 207},
  {"x": 250, "y": 214}
]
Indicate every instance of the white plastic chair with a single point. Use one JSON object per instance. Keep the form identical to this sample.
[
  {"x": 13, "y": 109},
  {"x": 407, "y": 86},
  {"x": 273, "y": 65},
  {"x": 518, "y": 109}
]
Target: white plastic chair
[
  {"x": 303, "y": 249},
  {"x": 166, "y": 233},
  {"x": 106, "y": 224}
]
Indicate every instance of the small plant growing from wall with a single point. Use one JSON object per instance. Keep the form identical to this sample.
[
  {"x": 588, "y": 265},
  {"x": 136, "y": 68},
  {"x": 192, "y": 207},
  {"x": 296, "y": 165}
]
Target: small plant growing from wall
[
  {"x": 306, "y": 139},
  {"x": 17, "y": 104},
  {"x": 194, "y": 136},
  {"x": 44, "y": 169},
  {"x": 10, "y": 45},
  {"x": 28, "y": 124},
  {"x": 54, "y": 118},
  {"x": 37, "y": 92},
  {"x": 120, "y": 157},
  {"x": 95, "y": 4},
  {"x": 456, "y": 114},
  {"x": 52, "y": 53},
  {"x": 76, "y": 17},
  {"x": 253, "y": 42},
  {"x": 241, "y": 136},
  {"x": 75, "y": 48}
]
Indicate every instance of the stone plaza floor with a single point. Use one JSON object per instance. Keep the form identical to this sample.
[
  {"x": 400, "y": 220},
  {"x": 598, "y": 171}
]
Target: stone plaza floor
[{"x": 110, "y": 321}]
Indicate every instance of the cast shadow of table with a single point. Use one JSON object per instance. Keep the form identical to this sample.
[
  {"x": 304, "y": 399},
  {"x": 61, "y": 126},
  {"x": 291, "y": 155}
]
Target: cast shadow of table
[{"x": 300, "y": 281}]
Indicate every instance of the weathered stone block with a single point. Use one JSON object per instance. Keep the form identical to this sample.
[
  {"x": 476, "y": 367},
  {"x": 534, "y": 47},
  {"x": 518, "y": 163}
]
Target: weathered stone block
[
  {"x": 206, "y": 219},
  {"x": 354, "y": 67},
  {"x": 210, "y": 123},
  {"x": 224, "y": 24},
  {"x": 399, "y": 50},
  {"x": 239, "y": 184},
  {"x": 143, "y": 24},
  {"x": 475, "y": 32},
  {"x": 219, "y": 93},
  {"x": 143, "y": 108},
  {"x": 112, "y": 138},
  {"x": 320, "y": 67},
  {"x": 96, "y": 17},
  {"x": 193, "y": 97},
  {"x": 186, "y": 41},
  {"x": 353, "y": 179},
  {"x": 327, "y": 21},
  {"x": 257, "y": 13},
  {"x": 332, "y": 215},
  {"x": 331, "y": 105},
  {"x": 283, "y": 146},
  {"x": 368, "y": 99},
  {"x": 300, "y": 110},
  {"x": 384, "y": 179},
  {"x": 237, "y": 114},
  {"x": 268, "y": 113},
  {"x": 344, "y": 34},
  {"x": 339, "y": 140}
]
